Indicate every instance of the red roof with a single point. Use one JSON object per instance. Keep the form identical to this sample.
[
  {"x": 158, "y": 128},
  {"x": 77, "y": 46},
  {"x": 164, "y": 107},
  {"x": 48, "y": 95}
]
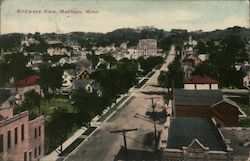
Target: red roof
[
  {"x": 200, "y": 80},
  {"x": 29, "y": 81}
]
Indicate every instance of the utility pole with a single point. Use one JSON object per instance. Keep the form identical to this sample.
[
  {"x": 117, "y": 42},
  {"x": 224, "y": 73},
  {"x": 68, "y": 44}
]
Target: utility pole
[
  {"x": 124, "y": 131},
  {"x": 153, "y": 107}
]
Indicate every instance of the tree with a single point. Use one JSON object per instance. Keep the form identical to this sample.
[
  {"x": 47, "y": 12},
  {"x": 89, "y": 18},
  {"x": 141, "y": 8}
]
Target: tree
[
  {"x": 14, "y": 66},
  {"x": 32, "y": 101},
  {"x": 164, "y": 80},
  {"x": 205, "y": 69},
  {"x": 222, "y": 60},
  {"x": 87, "y": 104},
  {"x": 50, "y": 77},
  {"x": 201, "y": 47},
  {"x": 175, "y": 73}
]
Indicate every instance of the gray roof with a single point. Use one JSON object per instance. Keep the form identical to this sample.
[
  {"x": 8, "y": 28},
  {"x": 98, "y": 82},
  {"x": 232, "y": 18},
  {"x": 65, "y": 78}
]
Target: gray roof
[
  {"x": 4, "y": 95},
  {"x": 197, "y": 97},
  {"x": 81, "y": 83},
  {"x": 184, "y": 130}
]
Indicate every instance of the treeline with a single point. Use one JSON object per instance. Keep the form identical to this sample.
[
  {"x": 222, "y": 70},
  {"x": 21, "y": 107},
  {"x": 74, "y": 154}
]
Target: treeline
[{"x": 224, "y": 54}]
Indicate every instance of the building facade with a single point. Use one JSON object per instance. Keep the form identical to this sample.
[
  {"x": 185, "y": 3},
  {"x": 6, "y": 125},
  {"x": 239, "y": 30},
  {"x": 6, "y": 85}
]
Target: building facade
[
  {"x": 147, "y": 47},
  {"x": 20, "y": 139}
]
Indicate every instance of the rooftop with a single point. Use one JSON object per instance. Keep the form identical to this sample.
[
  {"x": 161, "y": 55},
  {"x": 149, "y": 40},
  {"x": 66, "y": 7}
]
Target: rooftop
[
  {"x": 197, "y": 97},
  {"x": 184, "y": 130},
  {"x": 200, "y": 80}
]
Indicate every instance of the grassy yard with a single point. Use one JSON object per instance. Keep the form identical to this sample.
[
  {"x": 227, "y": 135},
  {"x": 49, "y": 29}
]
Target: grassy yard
[{"x": 48, "y": 107}]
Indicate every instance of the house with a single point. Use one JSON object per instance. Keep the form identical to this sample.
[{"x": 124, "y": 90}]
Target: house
[
  {"x": 201, "y": 83},
  {"x": 20, "y": 138},
  {"x": 85, "y": 74},
  {"x": 206, "y": 104},
  {"x": 132, "y": 52},
  {"x": 246, "y": 80},
  {"x": 90, "y": 86},
  {"x": 102, "y": 63},
  {"x": 68, "y": 78},
  {"x": 147, "y": 47},
  {"x": 190, "y": 42},
  {"x": 124, "y": 45},
  {"x": 194, "y": 59},
  {"x": 193, "y": 139},
  {"x": 29, "y": 81},
  {"x": 203, "y": 57},
  {"x": 57, "y": 51},
  {"x": 29, "y": 41}
]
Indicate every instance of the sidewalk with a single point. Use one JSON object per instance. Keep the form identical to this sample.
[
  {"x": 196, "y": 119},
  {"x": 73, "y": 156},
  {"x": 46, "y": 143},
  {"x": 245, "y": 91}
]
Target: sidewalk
[{"x": 54, "y": 155}]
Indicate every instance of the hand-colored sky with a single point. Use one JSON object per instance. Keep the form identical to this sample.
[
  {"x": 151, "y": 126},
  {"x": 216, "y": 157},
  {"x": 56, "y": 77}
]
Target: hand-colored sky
[{"x": 165, "y": 14}]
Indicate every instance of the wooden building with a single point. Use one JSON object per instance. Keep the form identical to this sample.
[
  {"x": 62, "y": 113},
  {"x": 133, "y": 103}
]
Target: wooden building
[{"x": 206, "y": 104}]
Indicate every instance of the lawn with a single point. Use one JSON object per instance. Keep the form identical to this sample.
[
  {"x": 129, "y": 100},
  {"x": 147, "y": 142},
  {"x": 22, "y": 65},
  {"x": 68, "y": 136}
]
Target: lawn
[{"x": 48, "y": 106}]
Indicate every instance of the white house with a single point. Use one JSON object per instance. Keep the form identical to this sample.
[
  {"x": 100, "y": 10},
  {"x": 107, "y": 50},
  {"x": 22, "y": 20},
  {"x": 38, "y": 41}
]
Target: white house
[
  {"x": 68, "y": 78},
  {"x": 132, "y": 52},
  {"x": 201, "y": 83},
  {"x": 203, "y": 57},
  {"x": 246, "y": 80}
]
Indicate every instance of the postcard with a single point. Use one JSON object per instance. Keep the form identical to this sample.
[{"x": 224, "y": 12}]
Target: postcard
[{"x": 124, "y": 80}]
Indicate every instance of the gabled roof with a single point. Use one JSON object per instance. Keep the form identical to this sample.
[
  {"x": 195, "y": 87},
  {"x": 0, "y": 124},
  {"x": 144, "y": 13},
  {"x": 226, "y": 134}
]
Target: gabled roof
[
  {"x": 196, "y": 142},
  {"x": 232, "y": 103},
  {"x": 81, "y": 83},
  {"x": 197, "y": 97},
  {"x": 184, "y": 130},
  {"x": 200, "y": 80}
]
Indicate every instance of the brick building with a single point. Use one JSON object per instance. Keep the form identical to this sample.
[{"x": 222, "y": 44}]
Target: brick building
[
  {"x": 21, "y": 139},
  {"x": 147, "y": 47},
  {"x": 206, "y": 104},
  {"x": 192, "y": 139}
]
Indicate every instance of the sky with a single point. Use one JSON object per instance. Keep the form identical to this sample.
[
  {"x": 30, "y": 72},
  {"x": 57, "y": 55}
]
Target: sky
[{"x": 109, "y": 15}]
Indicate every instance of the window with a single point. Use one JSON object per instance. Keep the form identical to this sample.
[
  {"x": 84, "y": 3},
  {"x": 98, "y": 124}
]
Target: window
[
  {"x": 9, "y": 139},
  {"x": 16, "y": 135},
  {"x": 39, "y": 150},
  {"x": 22, "y": 132},
  {"x": 25, "y": 156},
  {"x": 35, "y": 153},
  {"x": 35, "y": 133},
  {"x": 30, "y": 156},
  {"x": 1, "y": 143},
  {"x": 39, "y": 131}
]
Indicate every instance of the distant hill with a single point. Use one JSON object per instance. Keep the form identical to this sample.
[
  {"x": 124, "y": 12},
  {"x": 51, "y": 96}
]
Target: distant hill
[
  {"x": 217, "y": 34},
  {"x": 132, "y": 36}
]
